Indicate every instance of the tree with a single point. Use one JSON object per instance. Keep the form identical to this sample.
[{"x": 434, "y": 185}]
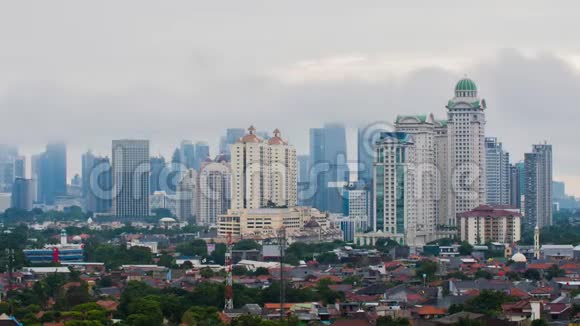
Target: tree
[
  {"x": 539, "y": 322},
  {"x": 247, "y": 244},
  {"x": 465, "y": 249},
  {"x": 482, "y": 273},
  {"x": 390, "y": 321},
  {"x": 455, "y": 308},
  {"x": 201, "y": 316},
  {"x": 206, "y": 272},
  {"x": 554, "y": 271},
  {"x": 218, "y": 254},
  {"x": 532, "y": 274},
  {"x": 196, "y": 247},
  {"x": 487, "y": 302},
  {"x": 427, "y": 268},
  {"x": 328, "y": 258},
  {"x": 261, "y": 271},
  {"x": 166, "y": 260}
]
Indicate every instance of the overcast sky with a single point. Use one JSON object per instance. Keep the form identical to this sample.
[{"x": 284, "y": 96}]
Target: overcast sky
[{"x": 88, "y": 72}]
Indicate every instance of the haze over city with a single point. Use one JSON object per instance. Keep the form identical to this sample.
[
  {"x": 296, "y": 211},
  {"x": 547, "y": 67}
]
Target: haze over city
[{"x": 86, "y": 74}]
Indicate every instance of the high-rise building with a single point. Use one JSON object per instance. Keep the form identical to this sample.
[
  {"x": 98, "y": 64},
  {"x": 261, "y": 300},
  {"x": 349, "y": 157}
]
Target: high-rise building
[
  {"x": 12, "y": 166},
  {"x": 97, "y": 184},
  {"x": 303, "y": 180},
  {"x": 214, "y": 190},
  {"x": 201, "y": 153},
  {"x": 394, "y": 187},
  {"x": 157, "y": 176},
  {"x": 466, "y": 149},
  {"x": 515, "y": 193},
  {"x": 497, "y": 173},
  {"x": 328, "y": 162},
  {"x": 187, "y": 153},
  {"x": 186, "y": 196},
  {"x": 264, "y": 173},
  {"x": 558, "y": 189},
  {"x": 538, "y": 186},
  {"x": 422, "y": 129},
  {"x": 22, "y": 194},
  {"x": 52, "y": 173},
  {"x": 356, "y": 205},
  {"x": 131, "y": 178},
  {"x": 231, "y": 137}
]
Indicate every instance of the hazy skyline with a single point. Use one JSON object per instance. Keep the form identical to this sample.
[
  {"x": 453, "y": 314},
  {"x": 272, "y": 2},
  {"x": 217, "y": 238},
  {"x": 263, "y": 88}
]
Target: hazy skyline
[{"x": 87, "y": 73}]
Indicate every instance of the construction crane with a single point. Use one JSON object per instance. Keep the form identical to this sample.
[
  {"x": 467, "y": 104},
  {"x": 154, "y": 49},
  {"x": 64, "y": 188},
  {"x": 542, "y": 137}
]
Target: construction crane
[{"x": 229, "y": 293}]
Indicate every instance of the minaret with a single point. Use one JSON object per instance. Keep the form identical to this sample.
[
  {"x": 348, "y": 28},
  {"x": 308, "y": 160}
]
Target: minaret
[
  {"x": 537, "y": 242},
  {"x": 63, "y": 237}
]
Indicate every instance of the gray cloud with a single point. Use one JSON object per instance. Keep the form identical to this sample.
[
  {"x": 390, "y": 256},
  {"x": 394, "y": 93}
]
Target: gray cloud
[{"x": 188, "y": 70}]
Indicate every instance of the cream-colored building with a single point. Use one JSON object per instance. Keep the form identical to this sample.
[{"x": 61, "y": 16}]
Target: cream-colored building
[
  {"x": 490, "y": 224},
  {"x": 246, "y": 222},
  {"x": 214, "y": 190},
  {"x": 264, "y": 172},
  {"x": 466, "y": 146}
]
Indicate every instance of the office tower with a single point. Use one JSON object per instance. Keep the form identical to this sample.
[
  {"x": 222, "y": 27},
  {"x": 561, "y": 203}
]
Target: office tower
[
  {"x": 366, "y": 139},
  {"x": 187, "y": 153},
  {"x": 328, "y": 162},
  {"x": 87, "y": 160},
  {"x": 175, "y": 172},
  {"x": 186, "y": 196},
  {"x": 303, "y": 180},
  {"x": 515, "y": 193},
  {"x": 356, "y": 205},
  {"x": 232, "y": 136},
  {"x": 20, "y": 167},
  {"x": 466, "y": 139},
  {"x": 538, "y": 186},
  {"x": 497, "y": 173},
  {"x": 22, "y": 194},
  {"x": 131, "y": 178},
  {"x": 558, "y": 190},
  {"x": 11, "y": 166},
  {"x": 394, "y": 177},
  {"x": 348, "y": 228},
  {"x": 422, "y": 130},
  {"x": 214, "y": 190},
  {"x": 52, "y": 173},
  {"x": 97, "y": 184},
  {"x": 157, "y": 175},
  {"x": 264, "y": 173},
  {"x": 201, "y": 153}
]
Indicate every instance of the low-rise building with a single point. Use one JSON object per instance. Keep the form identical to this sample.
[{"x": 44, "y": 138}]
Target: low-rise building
[{"x": 490, "y": 224}]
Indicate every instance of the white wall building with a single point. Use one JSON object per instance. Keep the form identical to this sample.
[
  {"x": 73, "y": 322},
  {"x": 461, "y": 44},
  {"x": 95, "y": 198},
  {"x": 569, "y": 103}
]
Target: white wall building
[
  {"x": 490, "y": 224},
  {"x": 214, "y": 190},
  {"x": 422, "y": 129},
  {"x": 263, "y": 172},
  {"x": 466, "y": 146}
]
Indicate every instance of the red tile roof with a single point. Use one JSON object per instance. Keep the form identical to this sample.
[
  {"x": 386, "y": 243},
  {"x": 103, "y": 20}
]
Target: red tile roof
[{"x": 431, "y": 310}]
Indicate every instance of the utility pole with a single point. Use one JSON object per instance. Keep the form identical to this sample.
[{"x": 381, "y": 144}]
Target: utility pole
[{"x": 282, "y": 244}]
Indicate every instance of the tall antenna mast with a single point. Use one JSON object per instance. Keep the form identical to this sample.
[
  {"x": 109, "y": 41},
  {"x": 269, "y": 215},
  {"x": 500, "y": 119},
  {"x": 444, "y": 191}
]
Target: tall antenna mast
[
  {"x": 229, "y": 295},
  {"x": 282, "y": 244}
]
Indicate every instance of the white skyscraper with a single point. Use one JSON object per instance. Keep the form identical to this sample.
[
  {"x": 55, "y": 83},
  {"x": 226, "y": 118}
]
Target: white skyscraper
[
  {"x": 214, "y": 190},
  {"x": 131, "y": 178},
  {"x": 497, "y": 173},
  {"x": 466, "y": 149},
  {"x": 264, "y": 172},
  {"x": 422, "y": 129}
]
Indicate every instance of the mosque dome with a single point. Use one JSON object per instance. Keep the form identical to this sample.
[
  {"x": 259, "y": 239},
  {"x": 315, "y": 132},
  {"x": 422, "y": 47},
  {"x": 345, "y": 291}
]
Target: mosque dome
[
  {"x": 519, "y": 258},
  {"x": 465, "y": 88}
]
